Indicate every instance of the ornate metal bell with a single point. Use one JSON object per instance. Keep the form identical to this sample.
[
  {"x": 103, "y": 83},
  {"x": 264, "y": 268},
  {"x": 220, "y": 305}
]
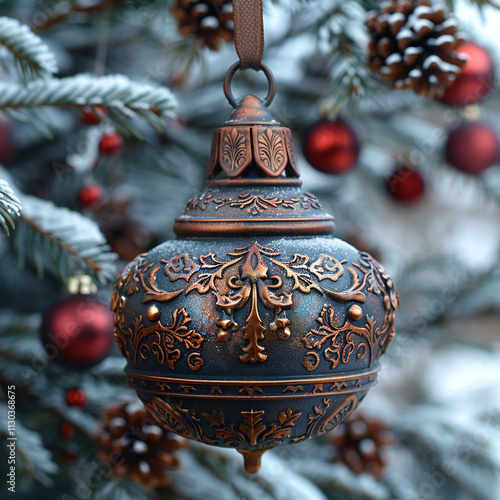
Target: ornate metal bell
[{"x": 256, "y": 327}]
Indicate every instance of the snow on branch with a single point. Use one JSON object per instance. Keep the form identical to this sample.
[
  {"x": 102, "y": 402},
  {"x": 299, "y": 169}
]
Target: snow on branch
[
  {"x": 34, "y": 459},
  {"x": 10, "y": 207},
  {"x": 33, "y": 57},
  {"x": 123, "y": 98},
  {"x": 63, "y": 240}
]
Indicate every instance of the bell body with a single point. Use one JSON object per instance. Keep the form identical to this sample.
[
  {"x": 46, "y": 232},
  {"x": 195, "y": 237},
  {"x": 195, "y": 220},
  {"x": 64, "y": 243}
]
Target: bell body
[{"x": 256, "y": 327}]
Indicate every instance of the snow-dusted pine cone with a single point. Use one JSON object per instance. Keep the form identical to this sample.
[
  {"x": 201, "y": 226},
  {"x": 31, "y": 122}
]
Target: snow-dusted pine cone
[
  {"x": 360, "y": 444},
  {"x": 412, "y": 46},
  {"x": 211, "y": 21},
  {"x": 135, "y": 447}
]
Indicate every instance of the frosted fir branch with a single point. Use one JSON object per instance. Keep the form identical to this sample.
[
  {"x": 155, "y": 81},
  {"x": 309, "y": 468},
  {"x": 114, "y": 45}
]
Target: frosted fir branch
[
  {"x": 342, "y": 35},
  {"x": 31, "y": 456},
  {"x": 63, "y": 240},
  {"x": 33, "y": 57},
  {"x": 119, "y": 490},
  {"x": 10, "y": 207},
  {"x": 450, "y": 440},
  {"x": 123, "y": 98},
  {"x": 36, "y": 386},
  {"x": 72, "y": 8},
  {"x": 339, "y": 479}
]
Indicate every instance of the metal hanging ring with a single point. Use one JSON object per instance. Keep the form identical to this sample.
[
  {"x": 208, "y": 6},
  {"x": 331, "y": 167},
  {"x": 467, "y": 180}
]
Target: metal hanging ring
[{"x": 229, "y": 76}]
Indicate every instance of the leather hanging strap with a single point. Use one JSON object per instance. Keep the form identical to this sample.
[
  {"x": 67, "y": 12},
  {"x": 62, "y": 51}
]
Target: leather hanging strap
[{"x": 249, "y": 33}]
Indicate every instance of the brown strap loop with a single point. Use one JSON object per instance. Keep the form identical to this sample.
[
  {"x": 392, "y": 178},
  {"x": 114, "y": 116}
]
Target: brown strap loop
[{"x": 249, "y": 33}]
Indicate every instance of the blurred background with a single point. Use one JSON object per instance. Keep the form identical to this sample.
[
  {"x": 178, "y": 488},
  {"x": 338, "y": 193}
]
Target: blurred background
[{"x": 107, "y": 109}]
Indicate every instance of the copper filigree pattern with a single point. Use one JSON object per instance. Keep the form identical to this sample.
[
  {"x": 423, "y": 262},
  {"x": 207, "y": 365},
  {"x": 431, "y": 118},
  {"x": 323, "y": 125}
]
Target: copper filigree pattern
[
  {"x": 337, "y": 343},
  {"x": 246, "y": 279},
  {"x": 250, "y": 431},
  {"x": 255, "y": 204}
]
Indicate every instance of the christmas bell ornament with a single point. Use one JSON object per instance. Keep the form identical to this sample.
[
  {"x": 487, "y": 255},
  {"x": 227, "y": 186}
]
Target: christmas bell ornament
[{"x": 255, "y": 327}]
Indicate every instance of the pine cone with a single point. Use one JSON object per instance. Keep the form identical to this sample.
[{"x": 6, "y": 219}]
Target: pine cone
[
  {"x": 135, "y": 447},
  {"x": 360, "y": 444},
  {"x": 126, "y": 237},
  {"x": 412, "y": 46},
  {"x": 211, "y": 21}
]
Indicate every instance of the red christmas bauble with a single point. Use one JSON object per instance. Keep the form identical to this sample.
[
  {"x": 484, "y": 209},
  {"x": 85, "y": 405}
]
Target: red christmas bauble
[
  {"x": 475, "y": 81},
  {"x": 92, "y": 115},
  {"x": 76, "y": 397},
  {"x": 69, "y": 456},
  {"x": 472, "y": 147},
  {"x": 6, "y": 141},
  {"x": 405, "y": 184},
  {"x": 77, "y": 331},
  {"x": 90, "y": 195},
  {"x": 67, "y": 430},
  {"x": 331, "y": 146},
  {"x": 111, "y": 144}
]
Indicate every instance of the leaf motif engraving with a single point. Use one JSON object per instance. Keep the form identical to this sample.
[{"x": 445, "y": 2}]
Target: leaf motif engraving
[
  {"x": 253, "y": 430},
  {"x": 271, "y": 149},
  {"x": 234, "y": 150}
]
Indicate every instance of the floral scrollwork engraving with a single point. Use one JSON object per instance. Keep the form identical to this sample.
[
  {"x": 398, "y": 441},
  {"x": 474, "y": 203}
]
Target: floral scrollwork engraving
[
  {"x": 253, "y": 277},
  {"x": 167, "y": 337},
  {"x": 336, "y": 342}
]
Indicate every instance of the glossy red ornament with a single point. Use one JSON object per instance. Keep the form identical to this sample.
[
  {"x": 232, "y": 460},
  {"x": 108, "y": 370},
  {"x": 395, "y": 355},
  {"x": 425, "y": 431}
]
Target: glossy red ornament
[
  {"x": 331, "y": 146},
  {"x": 90, "y": 195},
  {"x": 76, "y": 397},
  {"x": 67, "y": 430},
  {"x": 475, "y": 81},
  {"x": 77, "y": 331},
  {"x": 472, "y": 147},
  {"x": 91, "y": 115},
  {"x": 6, "y": 141},
  {"x": 406, "y": 184},
  {"x": 110, "y": 144},
  {"x": 69, "y": 456}
]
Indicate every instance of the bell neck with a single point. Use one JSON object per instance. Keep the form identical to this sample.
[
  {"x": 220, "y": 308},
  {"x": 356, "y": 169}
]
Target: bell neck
[
  {"x": 252, "y": 145},
  {"x": 253, "y": 186}
]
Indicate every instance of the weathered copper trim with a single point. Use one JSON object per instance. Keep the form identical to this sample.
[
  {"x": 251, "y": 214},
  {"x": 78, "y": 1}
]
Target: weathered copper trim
[
  {"x": 253, "y": 397},
  {"x": 256, "y": 227},
  {"x": 265, "y": 181},
  {"x": 274, "y": 382},
  {"x": 256, "y": 220}
]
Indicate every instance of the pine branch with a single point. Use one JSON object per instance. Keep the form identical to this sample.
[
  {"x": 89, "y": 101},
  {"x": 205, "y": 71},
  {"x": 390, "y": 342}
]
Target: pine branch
[
  {"x": 121, "y": 490},
  {"x": 33, "y": 457},
  {"x": 39, "y": 393},
  {"x": 9, "y": 206},
  {"x": 74, "y": 9},
  {"x": 343, "y": 36},
  {"x": 339, "y": 479},
  {"x": 445, "y": 440},
  {"x": 34, "y": 58},
  {"x": 123, "y": 99},
  {"x": 70, "y": 241}
]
